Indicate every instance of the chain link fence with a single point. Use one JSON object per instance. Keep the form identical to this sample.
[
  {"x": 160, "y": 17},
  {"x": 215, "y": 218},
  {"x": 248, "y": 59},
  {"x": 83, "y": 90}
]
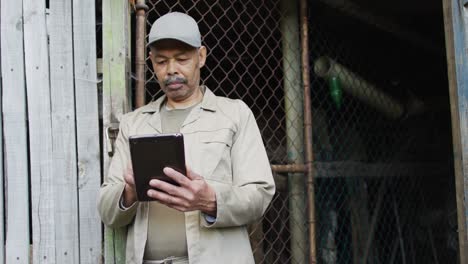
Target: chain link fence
[{"x": 380, "y": 159}]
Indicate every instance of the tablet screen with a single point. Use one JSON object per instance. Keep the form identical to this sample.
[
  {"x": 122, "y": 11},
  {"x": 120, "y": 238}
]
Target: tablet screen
[{"x": 151, "y": 154}]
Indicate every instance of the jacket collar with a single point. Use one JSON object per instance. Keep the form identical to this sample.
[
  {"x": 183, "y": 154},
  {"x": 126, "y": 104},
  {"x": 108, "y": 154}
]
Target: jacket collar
[{"x": 208, "y": 102}]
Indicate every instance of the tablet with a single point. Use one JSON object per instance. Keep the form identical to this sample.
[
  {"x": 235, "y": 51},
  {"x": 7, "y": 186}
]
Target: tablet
[{"x": 150, "y": 154}]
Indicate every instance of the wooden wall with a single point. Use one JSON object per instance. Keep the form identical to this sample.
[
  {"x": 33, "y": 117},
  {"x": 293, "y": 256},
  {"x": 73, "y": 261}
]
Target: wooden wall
[{"x": 51, "y": 150}]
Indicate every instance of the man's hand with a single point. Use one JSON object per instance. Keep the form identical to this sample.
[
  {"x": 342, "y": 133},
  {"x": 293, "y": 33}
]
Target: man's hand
[
  {"x": 129, "y": 196},
  {"x": 193, "y": 194}
]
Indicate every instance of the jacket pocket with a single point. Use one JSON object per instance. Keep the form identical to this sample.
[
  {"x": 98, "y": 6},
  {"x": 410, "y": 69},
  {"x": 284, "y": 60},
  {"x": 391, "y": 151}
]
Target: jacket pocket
[{"x": 216, "y": 155}]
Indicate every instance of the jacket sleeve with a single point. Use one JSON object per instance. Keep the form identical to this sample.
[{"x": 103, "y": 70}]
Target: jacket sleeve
[
  {"x": 253, "y": 187},
  {"x": 112, "y": 189}
]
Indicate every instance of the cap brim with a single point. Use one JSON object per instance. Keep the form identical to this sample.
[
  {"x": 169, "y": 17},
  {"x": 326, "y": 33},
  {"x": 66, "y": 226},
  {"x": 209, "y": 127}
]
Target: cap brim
[{"x": 190, "y": 43}]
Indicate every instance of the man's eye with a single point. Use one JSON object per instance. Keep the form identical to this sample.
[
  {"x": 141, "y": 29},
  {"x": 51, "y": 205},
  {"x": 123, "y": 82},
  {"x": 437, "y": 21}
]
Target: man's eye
[{"x": 160, "y": 62}]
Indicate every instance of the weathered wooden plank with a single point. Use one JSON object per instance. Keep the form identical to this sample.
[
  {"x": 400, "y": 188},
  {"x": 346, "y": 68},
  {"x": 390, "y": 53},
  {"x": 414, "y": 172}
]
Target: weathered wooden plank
[
  {"x": 87, "y": 122},
  {"x": 63, "y": 131},
  {"x": 456, "y": 37},
  {"x": 2, "y": 231},
  {"x": 2, "y": 213},
  {"x": 15, "y": 133},
  {"x": 40, "y": 131},
  {"x": 115, "y": 97}
]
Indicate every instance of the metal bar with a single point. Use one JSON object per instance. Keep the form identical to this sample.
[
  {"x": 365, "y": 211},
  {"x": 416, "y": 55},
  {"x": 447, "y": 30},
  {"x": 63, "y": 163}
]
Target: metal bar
[
  {"x": 309, "y": 158},
  {"x": 288, "y": 168},
  {"x": 372, "y": 230},
  {"x": 429, "y": 230},
  {"x": 433, "y": 247},
  {"x": 394, "y": 251},
  {"x": 400, "y": 233},
  {"x": 341, "y": 169},
  {"x": 140, "y": 54}
]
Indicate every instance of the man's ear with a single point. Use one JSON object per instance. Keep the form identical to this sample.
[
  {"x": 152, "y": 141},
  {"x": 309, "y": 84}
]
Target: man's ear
[
  {"x": 201, "y": 56},
  {"x": 150, "y": 53}
]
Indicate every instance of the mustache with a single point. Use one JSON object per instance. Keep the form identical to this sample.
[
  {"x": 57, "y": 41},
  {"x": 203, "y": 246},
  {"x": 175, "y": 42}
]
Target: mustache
[{"x": 175, "y": 79}]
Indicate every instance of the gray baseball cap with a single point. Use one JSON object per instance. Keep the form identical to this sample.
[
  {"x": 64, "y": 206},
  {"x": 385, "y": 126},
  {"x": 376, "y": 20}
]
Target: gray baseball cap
[{"x": 178, "y": 26}]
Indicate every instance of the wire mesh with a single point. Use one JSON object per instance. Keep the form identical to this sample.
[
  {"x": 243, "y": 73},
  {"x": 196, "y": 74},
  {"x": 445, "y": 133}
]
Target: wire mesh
[
  {"x": 375, "y": 168},
  {"x": 244, "y": 59},
  {"x": 379, "y": 153}
]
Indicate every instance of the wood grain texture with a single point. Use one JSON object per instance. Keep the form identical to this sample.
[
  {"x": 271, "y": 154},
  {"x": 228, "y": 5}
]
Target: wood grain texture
[
  {"x": 2, "y": 213},
  {"x": 40, "y": 131},
  {"x": 116, "y": 98},
  {"x": 87, "y": 122},
  {"x": 2, "y": 231},
  {"x": 15, "y": 160},
  {"x": 63, "y": 131}
]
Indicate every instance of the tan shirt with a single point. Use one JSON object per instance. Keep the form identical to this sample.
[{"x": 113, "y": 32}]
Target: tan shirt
[
  {"x": 224, "y": 145},
  {"x": 166, "y": 226}
]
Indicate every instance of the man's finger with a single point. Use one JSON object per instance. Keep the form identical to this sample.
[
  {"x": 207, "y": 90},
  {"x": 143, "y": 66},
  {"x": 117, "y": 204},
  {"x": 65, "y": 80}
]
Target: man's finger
[
  {"x": 189, "y": 172},
  {"x": 165, "y": 198},
  {"x": 128, "y": 177},
  {"x": 192, "y": 175},
  {"x": 166, "y": 187},
  {"x": 177, "y": 176}
]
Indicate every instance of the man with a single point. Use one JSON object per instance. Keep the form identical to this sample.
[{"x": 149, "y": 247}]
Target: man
[{"x": 228, "y": 183}]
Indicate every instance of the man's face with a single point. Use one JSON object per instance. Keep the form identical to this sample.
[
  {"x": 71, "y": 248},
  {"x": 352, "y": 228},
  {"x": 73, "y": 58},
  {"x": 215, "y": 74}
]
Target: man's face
[{"x": 177, "y": 68}]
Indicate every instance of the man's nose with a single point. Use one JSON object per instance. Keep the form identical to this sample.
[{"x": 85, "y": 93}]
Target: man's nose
[{"x": 171, "y": 67}]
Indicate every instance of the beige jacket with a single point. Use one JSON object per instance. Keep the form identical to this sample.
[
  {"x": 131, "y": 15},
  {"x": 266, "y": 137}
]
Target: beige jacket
[{"x": 224, "y": 145}]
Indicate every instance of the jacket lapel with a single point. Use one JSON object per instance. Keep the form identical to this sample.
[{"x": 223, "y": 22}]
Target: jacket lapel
[
  {"x": 155, "y": 119},
  {"x": 207, "y": 104}
]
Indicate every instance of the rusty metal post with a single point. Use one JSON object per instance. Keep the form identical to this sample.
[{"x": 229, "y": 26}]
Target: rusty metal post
[
  {"x": 309, "y": 158},
  {"x": 294, "y": 121},
  {"x": 140, "y": 52}
]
